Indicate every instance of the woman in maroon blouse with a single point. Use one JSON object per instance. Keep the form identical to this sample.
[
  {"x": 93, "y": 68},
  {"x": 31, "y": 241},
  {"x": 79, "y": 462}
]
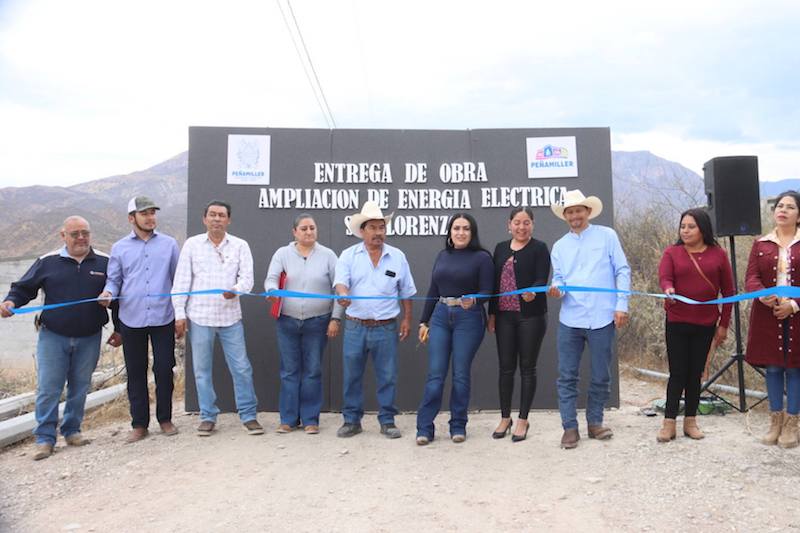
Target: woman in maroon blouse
[
  {"x": 697, "y": 268},
  {"x": 772, "y": 340}
]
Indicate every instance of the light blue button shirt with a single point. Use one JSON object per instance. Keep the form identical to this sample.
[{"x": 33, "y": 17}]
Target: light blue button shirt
[
  {"x": 591, "y": 258},
  {"x": 392, "y": 277},
  {"x": 137, "y": 268}
]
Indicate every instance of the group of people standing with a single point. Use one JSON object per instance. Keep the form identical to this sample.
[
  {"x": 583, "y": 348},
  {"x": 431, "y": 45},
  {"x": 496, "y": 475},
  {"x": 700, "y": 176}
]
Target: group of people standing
[
  {"x": 145, "y": 262},
  {"x": 698, "y": 268},
  {"x": 196, "y": 291},
  {"x": 373, "y": 285}
]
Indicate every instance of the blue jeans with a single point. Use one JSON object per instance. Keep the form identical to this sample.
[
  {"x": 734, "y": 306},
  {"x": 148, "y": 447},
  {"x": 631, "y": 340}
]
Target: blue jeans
[
  {"x": 776, "y": 377},
  {"x": 232, "y": 340},
  {"x": 381, "y": 343},
  {"x": 301, "y": 343},
  {"x": 571, "y": 342},
  {"x": 61, "y": 359},
  {"x": 454, "y": 333}
]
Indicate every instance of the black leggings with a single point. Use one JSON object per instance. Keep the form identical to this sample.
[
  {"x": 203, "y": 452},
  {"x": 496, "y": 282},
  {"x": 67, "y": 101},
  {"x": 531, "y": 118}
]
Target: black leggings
[
  {"x": 518, "y": 338},
  {"x": 687, "y": 349}
]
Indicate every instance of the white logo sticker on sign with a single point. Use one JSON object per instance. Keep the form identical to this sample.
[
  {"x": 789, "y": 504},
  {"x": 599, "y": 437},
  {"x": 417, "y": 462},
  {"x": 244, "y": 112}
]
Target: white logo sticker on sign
[
  {"x": 552, "y": 157},
  {"x": 248, "y": 159}
]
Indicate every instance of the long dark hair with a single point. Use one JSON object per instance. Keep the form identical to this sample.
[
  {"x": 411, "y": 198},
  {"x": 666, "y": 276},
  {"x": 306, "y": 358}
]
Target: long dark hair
[
  {"x": 791, "y": 194},
  {"x": 703, "y": 222},
  {"x": 474, "y": 241}
]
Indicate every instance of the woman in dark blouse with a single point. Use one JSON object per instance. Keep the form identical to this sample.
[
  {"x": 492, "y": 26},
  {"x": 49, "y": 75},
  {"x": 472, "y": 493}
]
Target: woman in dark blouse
[
  {"x": 518, "y": 321},
  {"x": 453, "y": 326}
]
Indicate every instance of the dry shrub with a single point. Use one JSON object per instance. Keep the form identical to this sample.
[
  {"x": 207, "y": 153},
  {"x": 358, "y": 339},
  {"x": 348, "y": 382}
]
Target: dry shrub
[
  {"x": 644, "y": 234},
  {"x": 15, "y": 381}
]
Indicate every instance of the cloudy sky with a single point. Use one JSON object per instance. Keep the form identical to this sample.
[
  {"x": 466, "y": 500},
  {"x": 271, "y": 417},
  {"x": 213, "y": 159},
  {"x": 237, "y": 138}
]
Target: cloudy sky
[{"x": 95, "y": 88}]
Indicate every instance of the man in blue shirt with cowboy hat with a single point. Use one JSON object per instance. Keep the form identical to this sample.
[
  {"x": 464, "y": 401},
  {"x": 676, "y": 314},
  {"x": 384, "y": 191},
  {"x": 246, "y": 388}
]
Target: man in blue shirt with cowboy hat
[
  {"x": 588, "y": 256},
  {"x": 372, "y": 268}
]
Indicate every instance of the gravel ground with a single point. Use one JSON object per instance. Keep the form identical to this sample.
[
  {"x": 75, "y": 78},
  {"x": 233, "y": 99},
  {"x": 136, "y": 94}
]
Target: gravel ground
[{"x": 298, "y": 482}]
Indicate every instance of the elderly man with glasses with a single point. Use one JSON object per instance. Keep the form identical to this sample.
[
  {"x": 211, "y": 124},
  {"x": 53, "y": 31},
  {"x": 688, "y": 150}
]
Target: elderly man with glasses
[{"x": 69, "y": 336}]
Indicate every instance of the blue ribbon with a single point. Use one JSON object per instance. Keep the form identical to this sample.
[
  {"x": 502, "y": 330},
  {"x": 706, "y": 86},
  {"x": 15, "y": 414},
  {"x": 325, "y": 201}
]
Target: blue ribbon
[{"x": 783, "y": 291}]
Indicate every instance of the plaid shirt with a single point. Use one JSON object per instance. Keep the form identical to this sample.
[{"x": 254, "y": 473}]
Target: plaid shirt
[{"x": 202, "y": 266}]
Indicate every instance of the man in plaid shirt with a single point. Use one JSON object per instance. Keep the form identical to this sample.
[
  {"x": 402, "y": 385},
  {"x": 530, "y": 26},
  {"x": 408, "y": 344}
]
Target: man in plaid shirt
[{"x": 216, "y": 260}]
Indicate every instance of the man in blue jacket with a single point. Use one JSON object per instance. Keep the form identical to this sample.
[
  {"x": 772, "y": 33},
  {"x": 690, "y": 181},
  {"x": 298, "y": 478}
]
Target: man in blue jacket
[{"x": 69, "y": 337}]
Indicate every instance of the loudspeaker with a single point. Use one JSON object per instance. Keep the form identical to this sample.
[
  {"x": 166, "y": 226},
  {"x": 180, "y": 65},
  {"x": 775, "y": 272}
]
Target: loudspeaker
[{"x": 734, "y": 200}]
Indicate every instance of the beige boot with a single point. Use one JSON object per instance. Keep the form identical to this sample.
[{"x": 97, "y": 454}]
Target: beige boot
[
  {"x": 775, "y": 423},
  {"x": 667, "y": 431},
  {"x": 690, "y": 428},
  {"x": 788, "y": 438}
]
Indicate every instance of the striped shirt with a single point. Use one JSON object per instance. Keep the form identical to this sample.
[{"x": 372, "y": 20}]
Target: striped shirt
[{"x": 202, "y": 266}]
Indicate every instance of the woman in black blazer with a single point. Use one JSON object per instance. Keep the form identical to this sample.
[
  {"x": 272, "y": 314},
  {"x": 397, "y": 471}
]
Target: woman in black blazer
[{"x": 519, "y": 321}]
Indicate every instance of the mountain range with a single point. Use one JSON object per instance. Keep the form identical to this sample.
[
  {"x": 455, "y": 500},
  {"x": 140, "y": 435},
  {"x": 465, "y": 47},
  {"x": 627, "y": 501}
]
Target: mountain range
[{"x": 33, "y": 215}]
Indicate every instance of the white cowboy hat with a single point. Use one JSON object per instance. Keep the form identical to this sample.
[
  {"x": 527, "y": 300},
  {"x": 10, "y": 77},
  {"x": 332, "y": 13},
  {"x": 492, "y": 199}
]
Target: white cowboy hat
[
  {"x": 369, "y": 211},
  {"x": 576, "y": 197}
]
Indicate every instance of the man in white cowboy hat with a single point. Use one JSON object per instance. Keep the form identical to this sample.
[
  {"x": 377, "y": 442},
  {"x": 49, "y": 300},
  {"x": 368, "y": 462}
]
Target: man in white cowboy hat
[
  {"x": 372, "y": 268},
  {"x": 588, "y": 256}
]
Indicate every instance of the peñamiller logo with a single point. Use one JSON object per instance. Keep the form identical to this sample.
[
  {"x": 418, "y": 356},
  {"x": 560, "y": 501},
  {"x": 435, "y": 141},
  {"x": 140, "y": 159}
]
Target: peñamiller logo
[
  {"x": 552, "y": 157},
  {"x": 248, "y": 159}
]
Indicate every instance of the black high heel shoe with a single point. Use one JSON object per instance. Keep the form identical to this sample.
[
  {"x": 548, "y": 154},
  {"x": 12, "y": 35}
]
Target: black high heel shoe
[
  {"x": 501, "y": 434},
  {"x": 518, "y": 438}
]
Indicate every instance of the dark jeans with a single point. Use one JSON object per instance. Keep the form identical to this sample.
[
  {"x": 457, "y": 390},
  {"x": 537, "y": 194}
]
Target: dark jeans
[
  {"x": 518, "y": 342},
  {"x": 455, "y": 334},
  {"x": 134, "y": 347},
  {"x": 687, "y": 349},
  {"x": 301, "y": 344},
  {"x": 571, "y": 343}
]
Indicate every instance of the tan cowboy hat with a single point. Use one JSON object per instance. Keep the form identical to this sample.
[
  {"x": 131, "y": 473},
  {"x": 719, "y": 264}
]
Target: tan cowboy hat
[
  {"x": 576, "y": 197},
  {"x": 370, "y": 211}
]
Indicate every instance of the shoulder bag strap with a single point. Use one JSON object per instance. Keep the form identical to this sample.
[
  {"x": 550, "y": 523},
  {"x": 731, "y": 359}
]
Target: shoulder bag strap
[{"x": 700, "y": 271}]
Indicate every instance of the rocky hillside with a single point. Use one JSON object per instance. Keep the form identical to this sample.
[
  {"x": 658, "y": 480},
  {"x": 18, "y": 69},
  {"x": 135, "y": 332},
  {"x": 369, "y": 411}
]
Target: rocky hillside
[
  {"x": 642, "y": 178},
  {"x": 34, "y": 214}
]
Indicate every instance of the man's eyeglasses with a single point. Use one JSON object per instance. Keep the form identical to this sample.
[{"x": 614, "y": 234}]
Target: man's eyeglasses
[{"x": 75, "y": 234}]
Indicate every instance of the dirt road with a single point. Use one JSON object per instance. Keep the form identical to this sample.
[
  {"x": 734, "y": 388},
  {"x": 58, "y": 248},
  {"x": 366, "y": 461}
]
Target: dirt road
[{"x": 296, "y": 482}]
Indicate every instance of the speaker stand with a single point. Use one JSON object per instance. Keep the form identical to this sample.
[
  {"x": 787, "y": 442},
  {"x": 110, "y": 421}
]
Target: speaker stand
[{"x": 738, "y": 357}]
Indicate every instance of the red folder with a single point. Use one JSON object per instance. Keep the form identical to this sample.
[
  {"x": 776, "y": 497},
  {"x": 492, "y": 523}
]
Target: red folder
[{"x": 275, "y": 311}]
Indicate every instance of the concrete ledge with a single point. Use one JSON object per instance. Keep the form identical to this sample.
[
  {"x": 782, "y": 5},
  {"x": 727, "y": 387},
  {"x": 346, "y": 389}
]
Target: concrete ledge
[
  {"x": 11, "y": 407},
  {"x": 22, "y": 427}
]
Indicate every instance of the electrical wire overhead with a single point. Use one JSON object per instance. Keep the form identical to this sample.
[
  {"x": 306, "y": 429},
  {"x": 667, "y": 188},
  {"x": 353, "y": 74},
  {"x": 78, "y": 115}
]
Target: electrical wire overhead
[{"x": 308, "y": 65}]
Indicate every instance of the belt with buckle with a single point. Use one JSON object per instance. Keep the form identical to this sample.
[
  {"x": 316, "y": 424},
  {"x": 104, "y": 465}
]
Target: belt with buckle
[
  {"x": 449, "y": 301},
  {"x": 370, "y": 322}
]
